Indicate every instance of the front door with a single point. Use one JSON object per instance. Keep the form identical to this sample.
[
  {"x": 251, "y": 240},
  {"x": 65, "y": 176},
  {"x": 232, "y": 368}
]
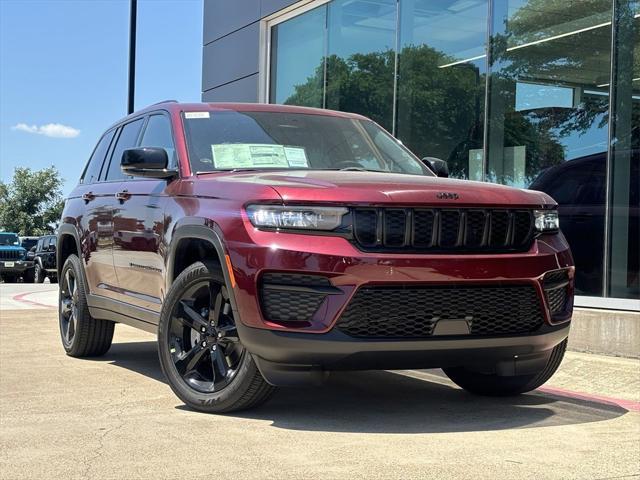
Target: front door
[{"x": 139, "y": 226}]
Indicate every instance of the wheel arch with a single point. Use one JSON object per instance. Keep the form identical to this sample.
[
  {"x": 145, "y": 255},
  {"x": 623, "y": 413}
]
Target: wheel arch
[
  {"x": 67, "y": 244},
  {"x": 192, "y": 243}
]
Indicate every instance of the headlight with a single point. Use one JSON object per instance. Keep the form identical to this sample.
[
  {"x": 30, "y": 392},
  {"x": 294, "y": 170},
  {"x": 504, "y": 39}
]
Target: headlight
[
  {"x": 546, "y": 220},
  {"x": 296, "y": 217}
]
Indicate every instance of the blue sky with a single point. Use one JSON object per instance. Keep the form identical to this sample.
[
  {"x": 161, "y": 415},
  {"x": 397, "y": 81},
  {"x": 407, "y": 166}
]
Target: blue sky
[{"x": 63, "y": 73}]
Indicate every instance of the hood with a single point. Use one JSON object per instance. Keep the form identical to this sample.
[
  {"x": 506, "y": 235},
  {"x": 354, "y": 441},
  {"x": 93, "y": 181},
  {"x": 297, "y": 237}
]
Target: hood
[
  {"x": 10, "y": 248},
  {"x": 298, "y": 186}
]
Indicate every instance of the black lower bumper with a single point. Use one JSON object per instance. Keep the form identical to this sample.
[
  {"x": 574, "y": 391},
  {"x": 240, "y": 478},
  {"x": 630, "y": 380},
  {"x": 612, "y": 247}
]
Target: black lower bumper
[
  {"x": 17, "y": 268},
  {"x": 286, "y": 358}
]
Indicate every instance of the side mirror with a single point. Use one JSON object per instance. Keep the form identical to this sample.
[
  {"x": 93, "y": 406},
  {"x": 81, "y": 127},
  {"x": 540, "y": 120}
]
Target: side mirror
[
  {"x": 438, "y": 166},
  {"x": 148, "y": 162}
]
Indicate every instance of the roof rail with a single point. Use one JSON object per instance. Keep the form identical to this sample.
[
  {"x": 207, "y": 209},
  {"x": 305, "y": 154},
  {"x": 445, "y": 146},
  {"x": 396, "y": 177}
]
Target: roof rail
[{"x": 164, "y": 101}]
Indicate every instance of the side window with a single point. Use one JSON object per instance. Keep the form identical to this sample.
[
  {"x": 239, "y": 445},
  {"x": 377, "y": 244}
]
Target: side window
[
  {"x": 92, "y": 171},
  {"x": 158, "y": 134},
  {"x": 40, "y": 242},
  {"x": 127, "y": 139}
]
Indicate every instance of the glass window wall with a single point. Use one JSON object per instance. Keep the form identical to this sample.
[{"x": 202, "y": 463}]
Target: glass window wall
[{"x": 519, "y": 92}]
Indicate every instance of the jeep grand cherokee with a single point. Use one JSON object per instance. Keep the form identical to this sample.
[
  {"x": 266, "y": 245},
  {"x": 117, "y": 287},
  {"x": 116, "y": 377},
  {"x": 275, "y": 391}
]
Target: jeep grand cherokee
[{"x": 269, "y": 245}]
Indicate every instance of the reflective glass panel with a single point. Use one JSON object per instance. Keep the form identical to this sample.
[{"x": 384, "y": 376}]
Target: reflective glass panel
[
  {"x": 548, "y": 115},
  {"x": 441, "y": 81},
  {"x": 297, "y": 59},
  {"x": 624, "y": 239},
  {"x": 361, "y": 58}
]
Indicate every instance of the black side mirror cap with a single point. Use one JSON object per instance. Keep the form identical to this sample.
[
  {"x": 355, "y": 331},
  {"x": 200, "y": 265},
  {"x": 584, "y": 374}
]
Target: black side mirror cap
[
  {"x": 148, "y": 162},
  {"x": 437, "y": 166}
]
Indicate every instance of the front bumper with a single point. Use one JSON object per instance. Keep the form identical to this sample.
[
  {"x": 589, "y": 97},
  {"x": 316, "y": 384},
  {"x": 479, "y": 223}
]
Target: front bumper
[
  {"x": 289, "y": 359},
  {"x": 15, "y": 266},
  {"x": 294, "y": 353},
  {"x": 349, "y": 269}
]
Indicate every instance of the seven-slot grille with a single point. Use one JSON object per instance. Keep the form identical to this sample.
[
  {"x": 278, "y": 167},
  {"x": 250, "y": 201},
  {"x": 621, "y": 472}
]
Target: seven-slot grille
[
  {"x": 10, "y": 254},
  {"x": 442, "y": 229}
]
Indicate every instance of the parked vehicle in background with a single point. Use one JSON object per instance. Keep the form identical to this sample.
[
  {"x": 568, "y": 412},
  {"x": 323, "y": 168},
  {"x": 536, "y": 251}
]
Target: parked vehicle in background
[
  {"x": 270, "y": 245},
  {"x": 45, "y": 259},
  {"x": 13, "y": 257},
  {"x": 580, "y": 188},
  {"x": 29, "y": 244}
]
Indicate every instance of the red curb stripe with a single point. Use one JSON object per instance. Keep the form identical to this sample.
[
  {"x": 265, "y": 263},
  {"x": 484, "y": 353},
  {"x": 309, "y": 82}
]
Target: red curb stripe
[
  {"x": 20, "y": 298},
  {"x": 619, "y": 402}
]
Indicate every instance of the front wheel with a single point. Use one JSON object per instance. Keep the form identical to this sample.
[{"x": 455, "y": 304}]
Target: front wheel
[
  {"x": 200, "y": 351},
  {"x": 29, "y": 275},
  {"x": 38, "y": 274},
  {"x": 501, "y": 386}
]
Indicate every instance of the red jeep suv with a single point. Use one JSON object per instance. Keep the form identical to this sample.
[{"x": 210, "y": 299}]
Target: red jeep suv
[{"x": 269, "y": 245}]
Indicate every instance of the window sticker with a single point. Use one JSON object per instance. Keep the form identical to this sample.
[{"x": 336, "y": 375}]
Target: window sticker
[
  {"x": 231, "y": 155},
  {"x": 268, "y": 156},
  {"x": 244, "y": 155},
  {"x": 196, "y": 114},
  {"x": 296, "y": 156}
]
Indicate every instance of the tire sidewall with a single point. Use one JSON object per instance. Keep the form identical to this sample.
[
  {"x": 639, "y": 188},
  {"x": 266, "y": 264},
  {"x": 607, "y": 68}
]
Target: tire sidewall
[
  {"x": 216, "y": 401},
  {"x": 73, "y": 263}
]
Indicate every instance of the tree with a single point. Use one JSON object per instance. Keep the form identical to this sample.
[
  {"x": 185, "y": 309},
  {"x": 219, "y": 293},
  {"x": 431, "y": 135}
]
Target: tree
[{"x": 31, "y": 204}]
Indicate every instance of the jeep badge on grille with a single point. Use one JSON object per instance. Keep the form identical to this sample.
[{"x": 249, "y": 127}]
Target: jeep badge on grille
[{"x": 447, "y": 196}]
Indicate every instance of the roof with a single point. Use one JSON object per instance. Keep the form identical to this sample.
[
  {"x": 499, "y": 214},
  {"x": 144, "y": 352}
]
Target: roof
[{"x": 173, "y": 106}]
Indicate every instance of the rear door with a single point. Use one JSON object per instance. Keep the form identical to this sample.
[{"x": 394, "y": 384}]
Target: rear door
[
  {"x": 94, "y": 219},
  {"x": 139, "y": 225},
  {"x": 105, "y": 281}
]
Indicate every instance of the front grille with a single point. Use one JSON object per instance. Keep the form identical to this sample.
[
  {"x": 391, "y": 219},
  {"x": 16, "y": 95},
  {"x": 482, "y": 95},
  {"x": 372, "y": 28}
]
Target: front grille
[
  {"x": 289, "y": 297},
  {"x": 442, "y": 229},
  {"x": 10, "y": 255},
  {"x": 556, "y": 285},
  {"x": 413, "y": 312}
]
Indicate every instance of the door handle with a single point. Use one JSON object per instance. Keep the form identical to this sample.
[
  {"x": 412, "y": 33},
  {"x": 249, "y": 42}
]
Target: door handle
[
  {"x": 124, "y": 195},
  {"x": 87, "y": 197}
]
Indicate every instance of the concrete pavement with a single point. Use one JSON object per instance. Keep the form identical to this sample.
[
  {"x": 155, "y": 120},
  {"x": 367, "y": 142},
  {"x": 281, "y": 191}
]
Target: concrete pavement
[{"x": 114, "y": 417}]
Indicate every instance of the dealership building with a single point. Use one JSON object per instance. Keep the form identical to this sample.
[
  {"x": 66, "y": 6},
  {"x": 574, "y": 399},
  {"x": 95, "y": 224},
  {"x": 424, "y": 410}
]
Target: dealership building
[{"x": 540, "y": 94}]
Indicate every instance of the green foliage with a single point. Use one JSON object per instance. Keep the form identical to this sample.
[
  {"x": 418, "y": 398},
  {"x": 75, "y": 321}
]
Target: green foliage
[{"x": 31, "y": 204}]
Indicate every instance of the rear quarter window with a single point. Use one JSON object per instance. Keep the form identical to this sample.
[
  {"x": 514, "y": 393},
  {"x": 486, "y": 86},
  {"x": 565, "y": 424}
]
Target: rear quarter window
[{"x": 92, "y": 171}]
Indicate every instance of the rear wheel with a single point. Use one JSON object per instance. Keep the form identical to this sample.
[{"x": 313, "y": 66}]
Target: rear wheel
[
  {"x": 200, "y": 351},
  {"x": 82, "y": 335},
  {"x": 499, "y": 386}
]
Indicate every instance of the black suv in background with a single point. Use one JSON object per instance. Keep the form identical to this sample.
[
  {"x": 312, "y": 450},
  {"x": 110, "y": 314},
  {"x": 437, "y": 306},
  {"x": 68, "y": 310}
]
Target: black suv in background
[{"x": 45, "y": 260}]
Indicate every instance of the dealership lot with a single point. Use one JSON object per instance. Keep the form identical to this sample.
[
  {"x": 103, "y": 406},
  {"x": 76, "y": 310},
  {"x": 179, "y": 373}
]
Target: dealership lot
[{"x": 115, "y": 417}]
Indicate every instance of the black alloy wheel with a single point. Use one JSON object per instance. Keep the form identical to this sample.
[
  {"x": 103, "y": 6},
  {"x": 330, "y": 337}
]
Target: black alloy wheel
[
  {"x": 200, "y": 351},
  {"x": 69, "y": 296},
  {"x": 203, "y": 339}
]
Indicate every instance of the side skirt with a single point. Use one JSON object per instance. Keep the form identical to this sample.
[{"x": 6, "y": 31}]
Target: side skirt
[{"x": 109, "y": 309}]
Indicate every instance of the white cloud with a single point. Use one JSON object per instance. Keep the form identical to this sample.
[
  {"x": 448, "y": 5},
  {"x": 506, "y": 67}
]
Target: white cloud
[{"x": 54, "y": 130}]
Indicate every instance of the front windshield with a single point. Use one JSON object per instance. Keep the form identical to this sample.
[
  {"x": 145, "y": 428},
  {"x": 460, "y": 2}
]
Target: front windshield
[
  {"x": 9, "y": 239},
  {"x": 27, "y": 243},
  {"x": 229, "y": 140}
]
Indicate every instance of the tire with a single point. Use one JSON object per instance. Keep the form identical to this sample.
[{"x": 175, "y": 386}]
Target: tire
[
  {"x": 29, "y": 275},
  {"x": 81, "y": 334},
  {"x": 10, "y": 279},
  {"x": 502, "y": 386},
  {"x": 199, "y": 290},
  {"x": 38, "y": 274}
]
